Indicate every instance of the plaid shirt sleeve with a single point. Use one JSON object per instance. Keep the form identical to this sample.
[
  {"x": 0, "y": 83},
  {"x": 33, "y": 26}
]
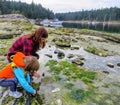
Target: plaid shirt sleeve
[
  {"x": 28, "y": 47},
  {"x": 21, "y": 44}
]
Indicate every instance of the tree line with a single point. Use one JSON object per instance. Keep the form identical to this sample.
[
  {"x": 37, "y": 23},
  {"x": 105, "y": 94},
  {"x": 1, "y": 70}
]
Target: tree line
[
  {"x": 106, "y": 14},
  {"x": 29, "y": 10},
  {"x": 35, "y": 11}
]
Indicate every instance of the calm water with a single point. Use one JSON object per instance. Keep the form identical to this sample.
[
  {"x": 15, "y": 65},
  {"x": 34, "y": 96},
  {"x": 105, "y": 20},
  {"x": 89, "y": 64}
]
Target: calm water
[{"x": 94, "y": 26}]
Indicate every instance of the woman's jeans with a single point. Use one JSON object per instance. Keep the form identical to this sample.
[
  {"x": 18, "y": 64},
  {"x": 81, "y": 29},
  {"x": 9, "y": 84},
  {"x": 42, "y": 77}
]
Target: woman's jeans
[{"x": 11, "y": 83}]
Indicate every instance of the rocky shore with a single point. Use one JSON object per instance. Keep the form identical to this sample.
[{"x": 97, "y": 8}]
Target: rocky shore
[{"x": 80, "y": 66}]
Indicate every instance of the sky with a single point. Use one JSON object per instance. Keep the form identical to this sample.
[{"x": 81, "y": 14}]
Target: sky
[{"x": 62, "y": 6}]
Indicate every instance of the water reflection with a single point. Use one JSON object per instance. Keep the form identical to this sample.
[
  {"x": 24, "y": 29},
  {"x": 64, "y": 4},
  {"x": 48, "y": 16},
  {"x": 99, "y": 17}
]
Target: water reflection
[{"x": 95, "y": 26}]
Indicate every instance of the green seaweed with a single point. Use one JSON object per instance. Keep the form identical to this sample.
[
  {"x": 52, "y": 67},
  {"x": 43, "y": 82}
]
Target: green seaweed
[
  {"x": 79, "y": 95},
  {"x": 96, "y": 51},
  {"x": 71, "y": 71}
]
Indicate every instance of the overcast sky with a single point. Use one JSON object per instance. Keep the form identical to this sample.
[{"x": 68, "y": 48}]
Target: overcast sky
[{"x": 59, "y": 6}]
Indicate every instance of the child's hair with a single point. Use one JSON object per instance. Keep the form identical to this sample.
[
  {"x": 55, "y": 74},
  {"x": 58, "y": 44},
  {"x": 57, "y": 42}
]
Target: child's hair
[{"x": 33, "y": 64}]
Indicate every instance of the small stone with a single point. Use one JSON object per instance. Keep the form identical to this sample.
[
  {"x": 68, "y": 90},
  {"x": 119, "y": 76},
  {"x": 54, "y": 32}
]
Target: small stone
[
  {"x": 58, "y": 102},
  {"x": 56, "y": 90},
  {"x": 110, "y": 65},
  {"x": 118, "y": 64}
]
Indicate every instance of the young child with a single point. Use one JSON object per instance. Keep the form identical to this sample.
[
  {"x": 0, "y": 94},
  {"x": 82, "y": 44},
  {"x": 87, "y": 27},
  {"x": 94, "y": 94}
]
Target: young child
[{"x": 18, "y": 72}]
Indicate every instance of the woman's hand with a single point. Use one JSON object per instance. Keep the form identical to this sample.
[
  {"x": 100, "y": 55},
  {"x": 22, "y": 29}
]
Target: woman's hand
[{"x": 35, "y": 74}]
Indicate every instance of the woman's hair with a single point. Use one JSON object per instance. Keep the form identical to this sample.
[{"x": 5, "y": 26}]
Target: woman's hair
[
  {"x": 33, "y": 64},
  {"x": 36, "y": 36}
]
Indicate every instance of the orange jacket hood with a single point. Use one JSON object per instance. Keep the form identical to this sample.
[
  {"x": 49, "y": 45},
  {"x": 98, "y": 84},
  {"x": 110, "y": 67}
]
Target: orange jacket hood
[{"x": 18, "y": 60}]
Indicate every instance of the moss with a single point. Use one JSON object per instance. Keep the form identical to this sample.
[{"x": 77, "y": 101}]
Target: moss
[
  {"x": 6, "y": 36},
  {"x": 71, "y": 71},
  {"x": 67, "y": 30},
  {"x": 61, "y": 41},
  {"x": 79, "y": 95},
  {"x": 2, "y": 65},
  {"x": 36, "y": 85},
  {"x": 47, "y": 79},
  {"x": 96, "y": 51},
  {"x": 7, "y": 100},
  {"x": 6, "y": 43},
  {"x": 56, "y": 69},
  {"x": 53, "y": 66},
  {"x": 22, "y": 100},
  {"x": 3, "y": 51},
  {"x": 51, "y": 63},
  {"x": 51, "y": 34},
  {"x": 98, "y": 33},
  {"x": 69, "y": 85},
  {"x": 86, "y": 76},
  {"x": 37, "y": 100},
  {"x": 57, "y": 78}
]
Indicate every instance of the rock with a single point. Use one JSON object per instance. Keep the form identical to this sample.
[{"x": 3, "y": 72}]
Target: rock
[
  {"x": 77, "y": 61},
  {"x": 50, "y": 56},
  {"x": 12, "y": 16},
  {"x": 56, "y": 51},
  {"x": 80, "y": 57},
  {"x": 118, "y": 64},
  {"x": 70, "y": 55},
  {"x": 56, "y": 90},
  {"x": 62, "y": 41},
  {"x": 58, "y": 102},
  {"x": 106, "y": 72},
  {"x": 75, "y": 47},
  {"x": 61, "y": 55},
  {"x": 110, "y": 65}
]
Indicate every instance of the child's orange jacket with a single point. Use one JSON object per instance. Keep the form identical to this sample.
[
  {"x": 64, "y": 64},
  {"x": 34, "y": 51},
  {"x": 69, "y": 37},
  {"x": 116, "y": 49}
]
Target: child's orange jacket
[{"x": 18, "y": 61}]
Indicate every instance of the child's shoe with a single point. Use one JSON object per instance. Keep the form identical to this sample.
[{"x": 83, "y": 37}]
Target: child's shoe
[{"x": 15, "y": 94}]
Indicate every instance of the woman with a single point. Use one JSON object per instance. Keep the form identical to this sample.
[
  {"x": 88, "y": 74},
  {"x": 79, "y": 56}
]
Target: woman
[
  {"x": 29, "y": 44},
  {"x": 18, "y": 72}
]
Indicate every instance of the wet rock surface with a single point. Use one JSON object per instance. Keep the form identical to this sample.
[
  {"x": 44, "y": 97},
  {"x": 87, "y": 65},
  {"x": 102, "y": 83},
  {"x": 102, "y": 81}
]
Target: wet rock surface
[{"x": 63, "y": 85}]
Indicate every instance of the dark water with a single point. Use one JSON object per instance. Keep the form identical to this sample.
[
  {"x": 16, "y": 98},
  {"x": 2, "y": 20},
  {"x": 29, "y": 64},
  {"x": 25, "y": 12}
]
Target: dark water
[{"x": 94, "y": 26}]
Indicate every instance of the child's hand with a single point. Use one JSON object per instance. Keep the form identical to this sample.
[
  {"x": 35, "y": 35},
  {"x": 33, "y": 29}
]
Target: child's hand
[
  {"x": 36, "y": 75},
  {"x": 34, "y": 93}
]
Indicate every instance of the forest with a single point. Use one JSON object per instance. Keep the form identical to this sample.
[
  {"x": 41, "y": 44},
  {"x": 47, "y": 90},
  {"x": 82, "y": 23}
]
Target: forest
[
  {"x": 35, "y": 11},
  {"x": 106, "y": 14},
  {"x": 29, "y": 10}
]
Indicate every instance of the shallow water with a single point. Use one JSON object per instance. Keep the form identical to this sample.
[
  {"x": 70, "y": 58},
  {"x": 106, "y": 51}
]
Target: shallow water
[{"x": 92, "y": 62}]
